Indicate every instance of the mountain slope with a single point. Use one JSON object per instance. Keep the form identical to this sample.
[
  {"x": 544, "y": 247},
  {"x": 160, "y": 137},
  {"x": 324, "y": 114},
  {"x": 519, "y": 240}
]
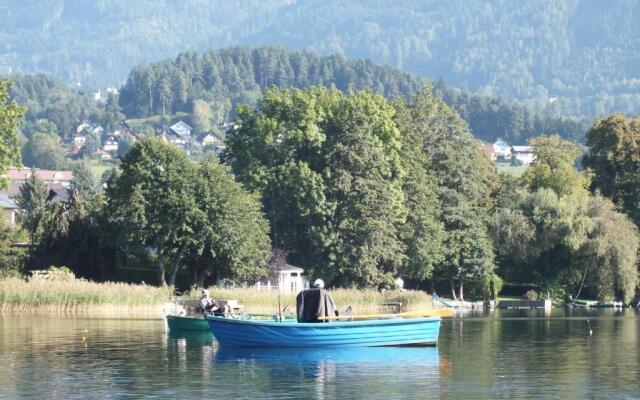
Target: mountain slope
[
  {"x": 226, "y": 77},
  {"x": 572, "y": 57}
]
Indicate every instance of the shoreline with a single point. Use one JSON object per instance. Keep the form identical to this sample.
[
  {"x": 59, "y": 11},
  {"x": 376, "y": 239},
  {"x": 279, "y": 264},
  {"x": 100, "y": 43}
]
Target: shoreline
[{"x": 77, "y": 297}]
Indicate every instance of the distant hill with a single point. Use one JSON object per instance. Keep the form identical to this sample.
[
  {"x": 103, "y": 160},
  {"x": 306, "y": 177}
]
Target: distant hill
[
  {"x": 224, "y": 78},
  {"x": 571, "y": 57}
]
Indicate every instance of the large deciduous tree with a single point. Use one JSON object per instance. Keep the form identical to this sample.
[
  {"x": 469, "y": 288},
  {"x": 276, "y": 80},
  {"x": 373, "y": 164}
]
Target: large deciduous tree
[
  {"x": 153, "y": 201},
  {"x": 329, "y": 170},
  {"x": 194, "y": 215},
  {"x": 614, "y": 157},
  {"x": 44, "y": 151},
  {"x": 465, "y": 180},
  {"x": 234, "y": 239},
  {"x": 553, "y": 167}
]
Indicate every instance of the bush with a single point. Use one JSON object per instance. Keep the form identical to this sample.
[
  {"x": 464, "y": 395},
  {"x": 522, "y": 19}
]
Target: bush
[
  {"x": 530, "y": 295},
  {"x": 491, "y": 285}
]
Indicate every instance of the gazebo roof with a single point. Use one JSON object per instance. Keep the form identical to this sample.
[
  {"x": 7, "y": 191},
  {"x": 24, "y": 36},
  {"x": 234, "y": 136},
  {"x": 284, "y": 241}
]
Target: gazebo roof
[{"x": 290, "y": 268}]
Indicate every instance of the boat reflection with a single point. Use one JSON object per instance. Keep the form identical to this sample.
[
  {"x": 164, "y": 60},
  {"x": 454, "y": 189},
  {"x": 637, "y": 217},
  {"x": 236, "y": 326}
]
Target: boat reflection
[
  {"x": 408, "y": 356},
  {"x": 320, "y": 372}
]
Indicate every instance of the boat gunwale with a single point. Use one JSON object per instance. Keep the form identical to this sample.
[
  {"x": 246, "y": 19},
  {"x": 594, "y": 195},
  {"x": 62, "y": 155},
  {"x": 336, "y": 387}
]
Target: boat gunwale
[
  {"x": 184, "y": 317},
  {"x": 328, "y": 325}
]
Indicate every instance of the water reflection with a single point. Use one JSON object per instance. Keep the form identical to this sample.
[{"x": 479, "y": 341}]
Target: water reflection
[
  {"x": 498, "y": 354},
  {"x": 354, "y": 372}
]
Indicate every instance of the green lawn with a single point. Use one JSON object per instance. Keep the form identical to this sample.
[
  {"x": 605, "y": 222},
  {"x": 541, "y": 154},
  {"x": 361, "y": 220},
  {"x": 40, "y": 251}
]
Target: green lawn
[
  {"x": 510, "y": 169},
  {"x": 98, "y": 167}
]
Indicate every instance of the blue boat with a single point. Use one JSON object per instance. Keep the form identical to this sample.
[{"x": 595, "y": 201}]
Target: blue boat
[{"x": 377, "y": 332}]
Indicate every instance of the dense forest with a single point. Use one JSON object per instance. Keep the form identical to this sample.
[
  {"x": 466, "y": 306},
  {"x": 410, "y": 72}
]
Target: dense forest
[
  {"x": 224, "y": 78},
  {"x": 359, "y": 189},
  {"x": 214, "y": 82},
  {"x": 573, "y": 57}
]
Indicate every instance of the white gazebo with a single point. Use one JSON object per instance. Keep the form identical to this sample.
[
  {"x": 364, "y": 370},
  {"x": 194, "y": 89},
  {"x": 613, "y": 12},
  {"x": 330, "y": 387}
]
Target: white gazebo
[{"x": 288, "y": 279}]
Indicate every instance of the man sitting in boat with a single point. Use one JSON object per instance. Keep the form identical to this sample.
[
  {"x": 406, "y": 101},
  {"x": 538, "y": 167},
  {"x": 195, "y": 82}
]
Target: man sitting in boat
[
  {"x": 312, "y": 304},
  {"x": 209, "y": 306}
]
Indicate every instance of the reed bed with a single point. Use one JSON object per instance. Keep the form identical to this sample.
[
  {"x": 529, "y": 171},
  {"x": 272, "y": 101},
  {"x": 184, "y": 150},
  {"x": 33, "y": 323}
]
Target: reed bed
[
  {"x": 111, "y": 299},
  {"x": 361, "y": 301},
  {"x": 81, "y": 297}
]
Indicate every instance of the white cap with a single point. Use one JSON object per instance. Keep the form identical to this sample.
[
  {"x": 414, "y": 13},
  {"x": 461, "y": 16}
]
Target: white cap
[
  {"x": 319, "y": 283},
  {"x": 205, "y": 292}
]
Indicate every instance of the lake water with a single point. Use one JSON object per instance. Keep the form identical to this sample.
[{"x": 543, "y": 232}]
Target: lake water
[{"x": 492, "y": 355}]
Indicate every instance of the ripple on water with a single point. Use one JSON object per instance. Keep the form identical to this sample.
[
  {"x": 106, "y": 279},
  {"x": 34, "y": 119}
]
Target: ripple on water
[{"x": 499, "y": 355}]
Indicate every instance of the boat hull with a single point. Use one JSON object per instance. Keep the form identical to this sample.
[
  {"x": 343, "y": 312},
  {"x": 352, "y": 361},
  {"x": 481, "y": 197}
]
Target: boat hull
[
  {"x": 187, "y": 324},
  {"x": 381, "y": 332}
]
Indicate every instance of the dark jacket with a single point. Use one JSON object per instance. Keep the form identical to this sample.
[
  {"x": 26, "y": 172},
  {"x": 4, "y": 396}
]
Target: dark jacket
[{"x": 314, "y": 303}]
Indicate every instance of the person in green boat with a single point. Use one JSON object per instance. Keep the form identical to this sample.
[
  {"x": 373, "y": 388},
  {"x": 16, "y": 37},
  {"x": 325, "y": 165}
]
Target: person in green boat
[{"x": 210, "y": 306}]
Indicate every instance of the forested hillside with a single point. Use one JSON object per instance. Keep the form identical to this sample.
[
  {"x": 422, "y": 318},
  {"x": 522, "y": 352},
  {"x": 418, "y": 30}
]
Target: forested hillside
[
  {"x": 224, "y": 78},
  {"x": 572, "y": 57}
]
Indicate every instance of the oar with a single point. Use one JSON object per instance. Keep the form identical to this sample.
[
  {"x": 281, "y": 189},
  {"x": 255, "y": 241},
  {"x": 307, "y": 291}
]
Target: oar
[{"x": 411, "y": 314}]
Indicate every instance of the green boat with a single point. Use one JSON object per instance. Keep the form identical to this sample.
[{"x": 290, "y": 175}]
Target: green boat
[
  {"x": 187, "y": 324},
  {"x": 177, "y": 323}
]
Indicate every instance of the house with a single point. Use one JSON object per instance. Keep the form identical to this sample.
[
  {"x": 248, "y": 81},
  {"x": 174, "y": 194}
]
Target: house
[
  {"x": 103, "y": 155},
  {"x": 288, "y": 279},
  {"x": 181, "y": 130},
  {"x": 9, "y": 210},
  {"x": 502, "y": 150},
  {"x": 210, "y": 138},
  {"x": 17, "y": 176},
  {"x": 58, "y": 194},
  {"x": 83, "y": 128},
  {"x": 523, "y": 154},
  {"x": 79, "y": 141},
  {"x": 111, "y": 144}
]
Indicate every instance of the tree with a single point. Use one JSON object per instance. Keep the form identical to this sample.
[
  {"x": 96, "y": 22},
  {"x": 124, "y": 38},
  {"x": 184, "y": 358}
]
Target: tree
[
  {"x": 329, "y": 171},
  {"x": 614, "y": 158},
  {"x": 610, "y": 256},
  {"x": 44, "y": 151},
  {"x": 11, "y": 115},
  {"x": 234, "y": 239},
  {"x": 112, "y": 115},
  {"x": 153, "y": 202},
  {"x": 423, "y": 233},
  {"x": 32, "y": 199},
  {"x": 84, "y": 181},
  {"x": 12, "y": 258},
  {"x": 465, "y": 181},
  {"x": 201, "y": 116},
  {"x": 72, "y": 236},
  {"x": 553, "y": 167}
]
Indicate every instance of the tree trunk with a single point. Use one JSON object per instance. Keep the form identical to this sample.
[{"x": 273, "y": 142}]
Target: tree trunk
[
  {"x": 161, "y": 280},
  {"x": 176, "y": 265},
  {"x": 461, "y": 288},
  {"x": 453, "y": 289},
  {"x": 195, "y": 276}
]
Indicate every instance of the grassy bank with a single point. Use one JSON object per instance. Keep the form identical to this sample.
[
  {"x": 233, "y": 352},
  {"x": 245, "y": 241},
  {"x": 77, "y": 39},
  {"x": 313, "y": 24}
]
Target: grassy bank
[
  {"x": 81, "y": 298},
  {"x": 362, "y": 301}
]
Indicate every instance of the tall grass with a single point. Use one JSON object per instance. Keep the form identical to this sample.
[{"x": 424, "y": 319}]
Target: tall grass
[
  {"x": 362, "y": 301},
  {"x": 80, "y": 297}
]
